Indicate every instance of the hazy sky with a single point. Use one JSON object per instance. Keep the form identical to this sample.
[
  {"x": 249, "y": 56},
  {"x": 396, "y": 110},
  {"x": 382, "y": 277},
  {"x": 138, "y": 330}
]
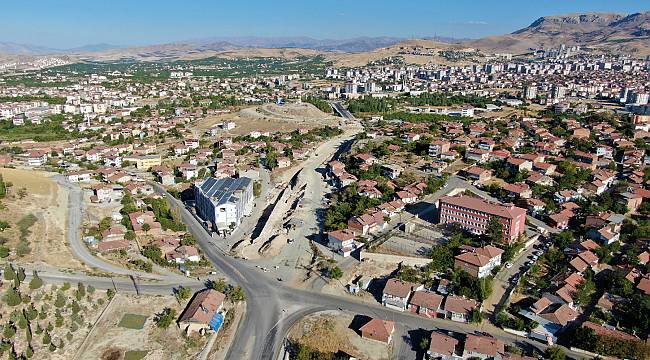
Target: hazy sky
[{"x": 69, "y": 23}]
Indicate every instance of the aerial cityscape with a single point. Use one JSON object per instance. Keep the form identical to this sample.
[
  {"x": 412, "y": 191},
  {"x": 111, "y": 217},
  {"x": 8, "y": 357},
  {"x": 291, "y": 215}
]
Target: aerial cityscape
[{"x": 325, "y": 180}]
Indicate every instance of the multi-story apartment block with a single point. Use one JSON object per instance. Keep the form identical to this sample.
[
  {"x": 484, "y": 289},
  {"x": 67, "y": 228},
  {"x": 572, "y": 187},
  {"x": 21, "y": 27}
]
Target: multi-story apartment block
[{"x": 224, "y": 202}]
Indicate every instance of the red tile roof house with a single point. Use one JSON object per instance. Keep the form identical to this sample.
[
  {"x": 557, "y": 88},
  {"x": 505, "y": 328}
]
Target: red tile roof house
[
  {"x": 644, "y": 285},
  {"x": 479, "y": 262},
  {"x": 483, "y": 347},
  {"x": 478, "y": 174},
  {"x": 140, "y": 218},
  {"x": 442, "y": 346},
  {"x": 473, "y": 214},
  {"x": 200, "y": 311},
  {"x": 114, "y": 233},
  {"x": 459, "y": 308},
  {"x": 425, "y": 303},
  {"x": 396, "y": 293},
  {"x": 407, "y": 197},
  {"x": 378, "y": 330},
  {"x": 367, "y": 223},
  {"x": 600, "y": 330},
  {"x": 342, "y": 241},
  {"x": 183, "y": 254},
  {"x": 112, "y": 245}
]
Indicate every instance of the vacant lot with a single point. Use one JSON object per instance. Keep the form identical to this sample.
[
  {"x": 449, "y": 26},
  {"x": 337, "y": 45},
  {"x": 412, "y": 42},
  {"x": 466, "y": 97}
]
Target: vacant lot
[
  {"x": 122, "y": 334},
  {"x": 272, "y": 118},
  {"x": 36, "y": 194},
  {"x": 331, "y": 331}
]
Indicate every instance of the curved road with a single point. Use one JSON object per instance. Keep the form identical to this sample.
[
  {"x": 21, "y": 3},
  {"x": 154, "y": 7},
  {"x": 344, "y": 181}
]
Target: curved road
[
  {"x": 80, "y": 250},
  {"x": 272, "y": 307}
]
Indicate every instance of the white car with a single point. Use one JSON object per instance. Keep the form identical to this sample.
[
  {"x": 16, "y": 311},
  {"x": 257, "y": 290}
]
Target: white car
[{"x": 508, "y": 265}]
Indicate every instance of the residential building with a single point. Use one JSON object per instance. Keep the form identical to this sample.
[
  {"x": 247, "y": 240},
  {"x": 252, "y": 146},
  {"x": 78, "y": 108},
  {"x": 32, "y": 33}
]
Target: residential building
[
  {"x": 443, "y": 347},
  {"x": 378, "y": 330},
  {"x": 480, "y": 262},
  {"x": 483, "y": 347},
  {"x": 222, "y": 203},
  {"x": 396, "y": 293},
  {"x": 460, "y": 309},
  {"x": 202, "y": 312}
]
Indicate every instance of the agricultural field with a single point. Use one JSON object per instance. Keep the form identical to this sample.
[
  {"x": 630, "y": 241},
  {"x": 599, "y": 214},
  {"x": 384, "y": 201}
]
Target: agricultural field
[{"x": 45, "y": 321}]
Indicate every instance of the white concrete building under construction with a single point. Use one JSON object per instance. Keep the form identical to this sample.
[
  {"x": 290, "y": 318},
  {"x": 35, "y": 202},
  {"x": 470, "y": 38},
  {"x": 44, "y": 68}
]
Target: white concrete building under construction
[{"x": 223, "y": 202}]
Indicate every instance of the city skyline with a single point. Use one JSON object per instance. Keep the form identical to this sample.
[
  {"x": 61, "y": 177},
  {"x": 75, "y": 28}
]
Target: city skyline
[{"x": 76, "y": 23}]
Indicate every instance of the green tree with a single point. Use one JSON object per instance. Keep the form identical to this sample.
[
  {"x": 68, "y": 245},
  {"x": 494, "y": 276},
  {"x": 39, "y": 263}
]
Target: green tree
[
  {"x": 424, "y": 343},
  {"x": 494, "y": 230},
  {"x": 236, "y": 294},
  {"x": 81, "y": 291},
  {"x": 219, "y": 285},
  {"x": 110, "y": 293},
  {"x": 442, "y": 258},
  {"x": 36, "y": 282},
  {"x": 555, "y": 353},
  {"x": 335, "y": 273},
  {"x": 60, "y": 300},
  {"x": 9, "y": 273},
  {"x": 477, "y": 317},
  {"x": 22, "y": 321},
  {"x": 129, "y": 235},
  {"x": 9, "y": 331},
  {"x": 31, "y": 313},
  {"x": 4, "y": 225},
  {"x": 29, "y": 351},
  {"x": 183, "y": 293},
  {"x": 165, "y": 318},
  {"x": 47, "y": 339},
  {"x": 12, "y": 297},
  {"x": 146, "y": 227},
  {"x": 4, "y": 252},
  {"x": 21, "y": 274},
  {"x": 3, "y": 187}
]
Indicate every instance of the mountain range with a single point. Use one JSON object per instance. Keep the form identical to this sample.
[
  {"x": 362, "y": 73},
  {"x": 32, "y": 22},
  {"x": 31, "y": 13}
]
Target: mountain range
[
  {"x": 604, "y": 31},
  {"x": 620, "y": 33}
]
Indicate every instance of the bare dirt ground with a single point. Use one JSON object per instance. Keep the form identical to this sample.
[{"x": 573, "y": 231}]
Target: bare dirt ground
[
  {"x": 272, "y": 118},
  {"x": 46, "y": 200},
  {"x": 107, "y": 337},
  {"x": 330, "y": 331}
]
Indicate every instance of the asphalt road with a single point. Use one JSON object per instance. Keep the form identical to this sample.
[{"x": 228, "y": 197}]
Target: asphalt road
[
  {"x": 79, "y": 249},
  {"x": 271, "y": 306}
]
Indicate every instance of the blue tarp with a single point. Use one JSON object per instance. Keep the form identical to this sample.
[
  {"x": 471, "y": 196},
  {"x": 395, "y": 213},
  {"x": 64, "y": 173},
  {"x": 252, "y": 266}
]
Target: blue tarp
[{"x": 216, "y": 322}]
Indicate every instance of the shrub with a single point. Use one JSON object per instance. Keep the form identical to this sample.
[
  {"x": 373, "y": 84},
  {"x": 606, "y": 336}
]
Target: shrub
[{"x": 165, "y": 318}]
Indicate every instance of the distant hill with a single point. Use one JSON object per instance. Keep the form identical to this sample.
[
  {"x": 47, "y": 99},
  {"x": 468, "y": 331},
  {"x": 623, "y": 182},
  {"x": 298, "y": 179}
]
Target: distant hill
[
  {"x": 177, "y": 49},
  {"x": 610, "y": 32},
  {"x": 11, "y": 48},
  {"x": 604, "y": 31},
  {"x": 357, "y": 44}
]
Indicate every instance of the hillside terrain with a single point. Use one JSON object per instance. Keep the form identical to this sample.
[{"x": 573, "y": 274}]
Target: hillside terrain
[
  {"x": 603, "y": 31},
  {"x": 607, "y": 32}
]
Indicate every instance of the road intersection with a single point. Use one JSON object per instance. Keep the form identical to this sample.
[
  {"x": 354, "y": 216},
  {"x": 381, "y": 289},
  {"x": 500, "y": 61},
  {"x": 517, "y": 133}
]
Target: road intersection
[{"x": 271, "y": 306}]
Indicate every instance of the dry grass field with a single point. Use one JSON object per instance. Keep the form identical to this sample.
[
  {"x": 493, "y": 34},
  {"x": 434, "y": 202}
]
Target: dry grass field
[{"x": 36, "y": 193}]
